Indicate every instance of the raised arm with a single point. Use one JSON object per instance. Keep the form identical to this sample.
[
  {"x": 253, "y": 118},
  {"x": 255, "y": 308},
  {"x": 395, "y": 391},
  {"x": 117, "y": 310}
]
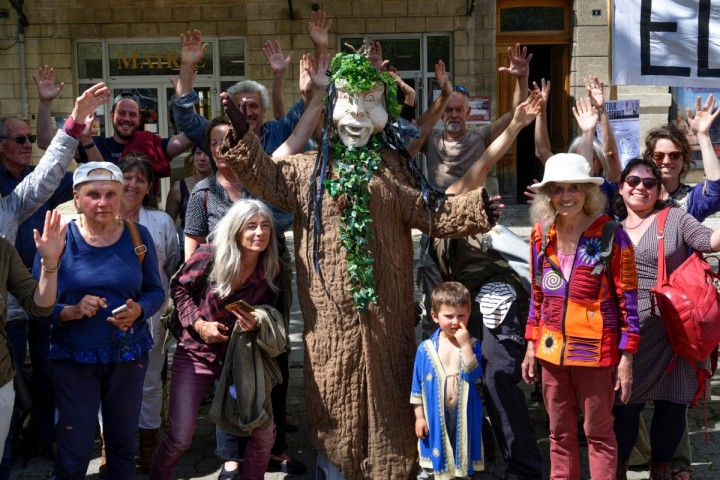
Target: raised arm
[
  {"x": 475, "y": 177},
  {"x": 543, "y": 149},
  {"x": 520, "y": 69},
  {"x": 700, "y": 124},
  {"x": 278, "y": 65},
  {"x": 48, "y": 91},
  {"x": 427, "y": 120},
  {"x": 313, "y": 112},
  {"x": 587, "y": 118},
  {"x": 318, "y": 28},
  {"x": 596, "y": 89},
  {"x": 192, "y": 51}
]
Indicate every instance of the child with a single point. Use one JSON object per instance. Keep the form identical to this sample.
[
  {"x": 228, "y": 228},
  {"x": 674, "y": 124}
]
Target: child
[{"x": 448, "y": 410}]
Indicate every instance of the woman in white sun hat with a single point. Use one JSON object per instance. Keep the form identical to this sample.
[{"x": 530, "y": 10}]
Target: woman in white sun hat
[{"x": 583, "y": 323}]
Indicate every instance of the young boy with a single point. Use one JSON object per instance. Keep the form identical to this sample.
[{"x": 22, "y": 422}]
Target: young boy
[{"x": 448, "y": 410}]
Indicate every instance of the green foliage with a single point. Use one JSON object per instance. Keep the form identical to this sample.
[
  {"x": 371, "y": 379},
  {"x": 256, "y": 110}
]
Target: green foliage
[
  {"x": 354, "y": 169},
  {"x": 359, "y": 75}
]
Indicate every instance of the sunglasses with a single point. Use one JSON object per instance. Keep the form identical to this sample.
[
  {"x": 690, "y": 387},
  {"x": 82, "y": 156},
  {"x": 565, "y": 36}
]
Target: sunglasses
[
  {"x": 674, "y": 156},
  {"x": 461, "y": 89},
  {"x": 648, "y": 182},
  {"x": 20, "y": 139}
]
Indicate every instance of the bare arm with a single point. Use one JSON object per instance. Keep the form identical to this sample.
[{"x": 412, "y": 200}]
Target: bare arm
[
  {"x": 313, "y": 112},
  {"x": 172, "y": 204},
  {"x": 50, "y": 246},
  {"x": 700, "y": 124},
  {"x": 596, "y": 89},
  {"x": 48, "y": 91},
  {"x": 192, "y": 242},
  {"x": 543, "y": 149},
  {"x": 587, "y": 118},
  {"x": 427, "y": 120},
  {"x": 192, "y": 51},
  {"x": 475, "y": 177},
  {"x": 520, "y": 69},
  {"x": 278, "y": 64},
  {"x": 178, "y": 144}
]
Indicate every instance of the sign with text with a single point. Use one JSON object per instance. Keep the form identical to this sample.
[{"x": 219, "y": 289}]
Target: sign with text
[
  {"x": 479, "y": 110},
  {"x": 625, "y": 121},
  {"x": 666, "y": 42}
]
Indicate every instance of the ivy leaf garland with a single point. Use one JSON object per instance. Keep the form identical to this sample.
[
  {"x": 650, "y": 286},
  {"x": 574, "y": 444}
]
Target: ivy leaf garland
[
  {"x": 354, "y": 169},
  {"x": 357, "y": 75}
]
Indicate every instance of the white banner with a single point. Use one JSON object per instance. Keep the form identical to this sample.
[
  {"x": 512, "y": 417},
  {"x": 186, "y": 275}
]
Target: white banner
[{"x": 666, "y": 42}]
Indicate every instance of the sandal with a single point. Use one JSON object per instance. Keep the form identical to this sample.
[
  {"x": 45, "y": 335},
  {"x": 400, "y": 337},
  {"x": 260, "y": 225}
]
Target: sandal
[{"x": 681, "y": 473}]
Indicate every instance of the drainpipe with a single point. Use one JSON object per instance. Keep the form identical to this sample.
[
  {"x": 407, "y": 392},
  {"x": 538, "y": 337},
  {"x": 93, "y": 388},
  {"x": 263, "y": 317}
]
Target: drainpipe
[{"x": 17, "y": 5}]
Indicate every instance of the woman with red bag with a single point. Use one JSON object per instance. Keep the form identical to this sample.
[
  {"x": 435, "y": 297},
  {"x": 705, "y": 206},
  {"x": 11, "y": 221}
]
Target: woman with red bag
[{"x": 672, "y": 391}]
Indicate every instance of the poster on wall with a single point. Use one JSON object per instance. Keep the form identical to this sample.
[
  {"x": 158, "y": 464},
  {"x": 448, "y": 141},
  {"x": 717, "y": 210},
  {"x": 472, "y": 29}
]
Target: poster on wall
[
  {"x": 686, "y": 97},
  {"x": 625, "y": 121},
  {"x": 479, "y": 110},
  {"x": 666, "y": 42}
]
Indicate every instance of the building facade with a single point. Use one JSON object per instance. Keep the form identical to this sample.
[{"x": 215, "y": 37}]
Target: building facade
[{"x": 134, "y": 45}]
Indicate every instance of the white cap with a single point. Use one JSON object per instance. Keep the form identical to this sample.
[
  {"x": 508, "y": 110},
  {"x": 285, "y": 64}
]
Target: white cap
[{"x": 82, "y": 174}]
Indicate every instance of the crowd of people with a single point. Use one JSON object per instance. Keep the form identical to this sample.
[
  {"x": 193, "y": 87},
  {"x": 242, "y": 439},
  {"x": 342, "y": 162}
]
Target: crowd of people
[{"x": 97, "y": 300}]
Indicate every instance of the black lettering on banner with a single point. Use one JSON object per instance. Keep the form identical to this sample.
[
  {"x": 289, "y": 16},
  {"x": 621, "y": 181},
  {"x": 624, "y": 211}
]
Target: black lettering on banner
[
  {"x": 704, "y": 41},
  {"x": 647, "y": 26}
]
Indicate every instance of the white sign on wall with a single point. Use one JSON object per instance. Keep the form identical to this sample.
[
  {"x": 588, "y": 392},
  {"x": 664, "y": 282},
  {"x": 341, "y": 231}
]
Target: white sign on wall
[{"x": 666, "y": 42}]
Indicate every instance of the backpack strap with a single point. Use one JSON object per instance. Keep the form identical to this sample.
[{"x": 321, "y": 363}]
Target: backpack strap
[
  {"x": 662, "y": 271},
  {"x": 140, "y": 247},
  {"x": 606, "y": 244}
]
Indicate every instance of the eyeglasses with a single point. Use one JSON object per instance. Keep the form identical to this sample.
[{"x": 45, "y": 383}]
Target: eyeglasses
[
  {"x": 648, "y": 182},
  {"x": 20, "y": 139},
  {"x": 461, "y": 89},
  {"x": 657, "y": 156}
]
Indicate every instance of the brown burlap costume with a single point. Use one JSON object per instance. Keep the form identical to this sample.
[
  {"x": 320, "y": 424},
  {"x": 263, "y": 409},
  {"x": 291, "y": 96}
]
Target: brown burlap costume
[{"x": 358, "y": 367}]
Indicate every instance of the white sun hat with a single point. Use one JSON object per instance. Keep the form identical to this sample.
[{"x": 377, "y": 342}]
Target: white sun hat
[{"x": 567, "y": 168}]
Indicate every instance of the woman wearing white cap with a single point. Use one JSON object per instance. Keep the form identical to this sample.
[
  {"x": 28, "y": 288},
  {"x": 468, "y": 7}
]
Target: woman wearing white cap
[
  {"x": 100, "y": 337},
  {"x": 583, "y": 323}
]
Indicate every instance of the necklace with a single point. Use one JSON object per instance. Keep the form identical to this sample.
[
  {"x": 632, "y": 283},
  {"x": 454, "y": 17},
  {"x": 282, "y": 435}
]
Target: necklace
[{"x": 627, "y": 227}]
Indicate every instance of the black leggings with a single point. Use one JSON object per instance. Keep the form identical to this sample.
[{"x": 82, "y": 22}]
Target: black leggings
[{"x": 666, "y": 430}]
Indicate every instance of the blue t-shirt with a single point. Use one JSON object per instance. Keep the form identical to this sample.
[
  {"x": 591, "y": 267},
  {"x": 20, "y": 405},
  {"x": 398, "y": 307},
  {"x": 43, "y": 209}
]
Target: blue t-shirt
[{"x": 110, "y": 150}]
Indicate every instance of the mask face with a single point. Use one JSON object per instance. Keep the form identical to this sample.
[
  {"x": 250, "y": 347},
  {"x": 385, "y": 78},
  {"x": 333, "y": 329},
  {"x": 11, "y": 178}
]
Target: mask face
[{"x": 357, "y": 117}]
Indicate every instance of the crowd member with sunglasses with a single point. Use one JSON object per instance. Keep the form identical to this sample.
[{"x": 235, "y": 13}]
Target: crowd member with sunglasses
[
  {"x": 671, "y": 391},
  {"x": 669, "y": 148},
  {"x": 28, "y": 193},
  {"x": 100, "y": 338},
  {"x": 128, "y": 135}
]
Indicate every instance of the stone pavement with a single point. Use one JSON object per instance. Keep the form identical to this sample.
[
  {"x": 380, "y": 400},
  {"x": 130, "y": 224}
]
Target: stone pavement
[{"x": 199, "y": 462}]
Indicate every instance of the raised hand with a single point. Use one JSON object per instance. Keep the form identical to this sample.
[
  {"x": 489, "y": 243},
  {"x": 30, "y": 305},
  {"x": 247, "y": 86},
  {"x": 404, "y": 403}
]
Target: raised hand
[
  {"x": 316, "y": 73},
  {"x": 238, "y": 120},
  {"x": 587, "y": 115},
  {"x": 704, "y": 117},
  {"x": 595, "y": 90},
  {"x": 519, "y": 62},
  {"x": 89, "y": 101},
  {"x": 544, "y": 91},
  {"x": 407, "y": 90},
  {"x": 318, "y": 28},
  {"x": 274, "y": 55},
  {"x": 192, "y": 50},
  {"x": 526, "y": 112},
  {"x": 47, "y": 89},
  {"x": 442, "y": 79},
  {"x": 373, "y": 52},
  {"x": 51, "y": 243}
]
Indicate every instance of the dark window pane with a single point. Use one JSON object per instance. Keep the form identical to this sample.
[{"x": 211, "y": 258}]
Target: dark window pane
[
  {"x": 355, "y": 42},
  {"x": 89, "y": 56},
  {"x": 404, "y": 54},
  {"x": 438, "y": 49},
  {"x": 523, "y": 19},
  {"x": 232, "y": 58}
]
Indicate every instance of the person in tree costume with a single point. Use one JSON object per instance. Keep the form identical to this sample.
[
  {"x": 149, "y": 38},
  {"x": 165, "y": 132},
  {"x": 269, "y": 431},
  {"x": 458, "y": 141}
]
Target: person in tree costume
[{"x": 354, "y": 203}]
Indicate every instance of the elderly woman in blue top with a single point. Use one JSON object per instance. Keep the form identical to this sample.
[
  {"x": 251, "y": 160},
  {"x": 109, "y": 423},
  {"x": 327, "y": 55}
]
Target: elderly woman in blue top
[{"x": 100, "y": 357}]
